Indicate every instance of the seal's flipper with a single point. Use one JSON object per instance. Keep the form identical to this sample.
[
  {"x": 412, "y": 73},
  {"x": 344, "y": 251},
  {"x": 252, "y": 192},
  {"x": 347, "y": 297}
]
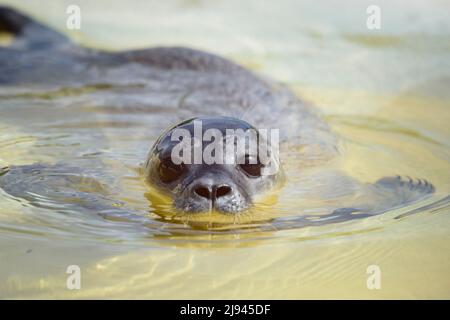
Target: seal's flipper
[
  {"x": 28, "y": 33},
  {"x": 384, "y": 195},
  {"x": 405, "y": 190},
  {"x": 58, "y": 186},
  {"x": 392, "y": 192}
]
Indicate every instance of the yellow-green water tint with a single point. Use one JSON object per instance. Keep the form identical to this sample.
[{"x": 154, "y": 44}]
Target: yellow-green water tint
[{"x": 385, "y": 92}]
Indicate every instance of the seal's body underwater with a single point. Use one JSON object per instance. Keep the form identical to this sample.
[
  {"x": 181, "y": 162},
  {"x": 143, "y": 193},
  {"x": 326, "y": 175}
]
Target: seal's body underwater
[{"x": 191, "y": 85}]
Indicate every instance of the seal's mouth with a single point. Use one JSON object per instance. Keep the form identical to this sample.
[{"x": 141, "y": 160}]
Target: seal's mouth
[
  {"x": 203, "y": 195},
  {"x": 188, "y": 212},
  {"x": 232, "y": 207},
  {"x": 198, "y": 199}
]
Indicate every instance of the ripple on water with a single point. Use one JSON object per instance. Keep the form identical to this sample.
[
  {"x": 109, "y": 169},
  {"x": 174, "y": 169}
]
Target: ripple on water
[{"x": 87, "y": 185}]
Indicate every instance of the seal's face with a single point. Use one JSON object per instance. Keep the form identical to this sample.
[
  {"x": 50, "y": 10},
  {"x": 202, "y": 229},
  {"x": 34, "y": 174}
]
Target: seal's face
[{"x": 198, "y": 184}]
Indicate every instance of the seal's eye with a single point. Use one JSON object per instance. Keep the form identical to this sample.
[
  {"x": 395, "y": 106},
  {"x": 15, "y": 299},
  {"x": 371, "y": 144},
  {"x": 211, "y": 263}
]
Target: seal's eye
[
  {"x": 252, "y": 170},
  {"x": 169, "y": 171}
]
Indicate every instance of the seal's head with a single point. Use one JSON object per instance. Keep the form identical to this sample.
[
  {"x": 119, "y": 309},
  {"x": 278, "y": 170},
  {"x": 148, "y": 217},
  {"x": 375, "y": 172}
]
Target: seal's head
[{"x": 213, "y": 163}]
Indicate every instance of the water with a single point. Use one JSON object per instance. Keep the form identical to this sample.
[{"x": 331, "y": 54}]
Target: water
[{"x": 384, "y": 92}]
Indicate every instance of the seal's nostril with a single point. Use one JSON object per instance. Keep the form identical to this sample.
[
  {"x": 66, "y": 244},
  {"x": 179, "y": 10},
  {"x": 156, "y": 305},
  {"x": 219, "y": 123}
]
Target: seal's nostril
[
  {"x": 203, "y": 192},
  {"x": 222, "y": 191}
]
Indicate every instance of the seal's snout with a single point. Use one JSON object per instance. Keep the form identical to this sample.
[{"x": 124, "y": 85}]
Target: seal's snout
[
  {"x": 212, "y": 192},
  {"x": 212, "y": 185}
]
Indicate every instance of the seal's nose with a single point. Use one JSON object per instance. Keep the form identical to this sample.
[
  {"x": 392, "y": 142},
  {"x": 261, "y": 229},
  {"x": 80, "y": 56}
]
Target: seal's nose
[{"x": 212, "y": 192}]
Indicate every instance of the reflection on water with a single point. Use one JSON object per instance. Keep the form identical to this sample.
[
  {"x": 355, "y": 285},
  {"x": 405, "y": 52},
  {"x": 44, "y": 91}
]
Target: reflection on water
[{"x": 78, "y": 147}]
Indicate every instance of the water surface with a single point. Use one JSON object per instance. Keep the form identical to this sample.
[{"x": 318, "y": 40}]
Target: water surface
[{"x": 384, "y": 92}]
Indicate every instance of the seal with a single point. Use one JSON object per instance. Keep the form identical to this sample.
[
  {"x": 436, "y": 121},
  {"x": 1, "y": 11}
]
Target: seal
[{"x": 187, "y": 84}]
